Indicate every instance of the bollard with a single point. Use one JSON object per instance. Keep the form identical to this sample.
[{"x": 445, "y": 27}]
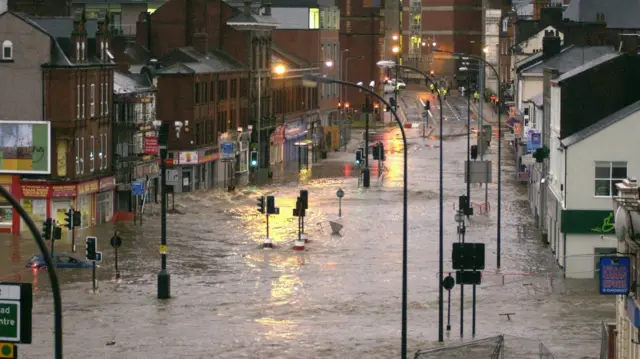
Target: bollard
[
  {"x": 267, "y": 244},
  {"x": 298, "y": 245},
  {"x": 304, "y": 237}
]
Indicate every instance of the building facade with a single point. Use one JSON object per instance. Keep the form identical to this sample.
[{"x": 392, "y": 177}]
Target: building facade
[
  {"x": 66, "y": 63},
  {"x": 135, "y": 142}
]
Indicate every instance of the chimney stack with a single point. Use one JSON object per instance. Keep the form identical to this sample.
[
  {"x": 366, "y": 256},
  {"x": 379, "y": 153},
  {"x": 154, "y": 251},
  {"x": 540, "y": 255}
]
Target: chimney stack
[
  {"x": 247, "y": 7},
  {"x": 266, "y": 4},
  {"x": 200, "y": 42},
  {"x": 629, "y": 43},
  {"x": 551, "y": 44}
]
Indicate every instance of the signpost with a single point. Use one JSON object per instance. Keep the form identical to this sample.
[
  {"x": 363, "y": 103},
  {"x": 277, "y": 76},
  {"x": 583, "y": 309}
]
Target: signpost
[
  {"x": 227, "y": 151},
  {"x": 340, "y": 194},
  {"x": 116, "y": 242},
  {"x": 8, "y": 350},
  {"x": 16, "y": 302},
  {"x": 615, "y": 275},
  {"x": 137, "y": 190}
]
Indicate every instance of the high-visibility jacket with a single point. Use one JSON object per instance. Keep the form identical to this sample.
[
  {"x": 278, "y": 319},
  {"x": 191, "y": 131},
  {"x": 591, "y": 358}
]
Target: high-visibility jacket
[
  {"x": 431, "y": 87},
  {"x": 476, "y": 95}
]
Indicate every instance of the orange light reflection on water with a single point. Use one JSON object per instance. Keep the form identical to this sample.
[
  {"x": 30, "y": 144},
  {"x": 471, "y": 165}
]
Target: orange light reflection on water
[{"x": 395, "y": 162}]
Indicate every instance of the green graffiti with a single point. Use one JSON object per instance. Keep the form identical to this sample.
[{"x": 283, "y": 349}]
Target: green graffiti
[{"x": 606, "y": 226}]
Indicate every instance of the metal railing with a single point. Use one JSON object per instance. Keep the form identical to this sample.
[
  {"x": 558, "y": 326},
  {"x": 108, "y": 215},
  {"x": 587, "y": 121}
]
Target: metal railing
[
  {"x": 604, "y": 340},
  {"x": 498, "y": 347}
]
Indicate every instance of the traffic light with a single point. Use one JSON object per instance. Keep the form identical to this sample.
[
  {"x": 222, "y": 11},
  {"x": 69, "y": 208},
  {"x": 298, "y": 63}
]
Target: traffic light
[
  {"x": 68, "y": 219},
  {"x": 463, "y": 204},
  {"x": 375, "y": 153},
  {"x": 91, "y": 248},
  {"x": 358, "y": 156},
  {"x": 77, "y": 218},
  {"x": 376, "y": 109},
  {"x": 46, "y": 229},
  {"x": 271, "y": 205},
  {"x": 427, "y": 105},
  {"x": 254, "y": 158},
  {"x": 474, "y": 152},
  {"x": 57, "y": 233},
  {"x": 381, "y": 151},
  {"x": 163, "y": 134},
  {"x": 304, "y": 196},
  {"x": 261, "y": 204},
  {"x": 540, "y": 154},
  {"x": 299, "y": 211}
]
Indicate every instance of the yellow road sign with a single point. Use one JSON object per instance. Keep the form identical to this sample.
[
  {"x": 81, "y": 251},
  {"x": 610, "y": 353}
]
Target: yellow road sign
[
  {"x": 163, "y": 249},
  {"x": 8, "y": 350}
]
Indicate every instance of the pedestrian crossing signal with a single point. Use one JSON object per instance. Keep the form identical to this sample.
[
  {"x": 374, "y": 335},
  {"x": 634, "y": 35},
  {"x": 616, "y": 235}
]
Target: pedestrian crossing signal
[
  {"x": 358, "y": 156},
  {"x": 254, "y": 158},
  {"x": 261, "y": 204},
  {"x": 77, "y": 218},
  {"x": 68, "y": 220}
]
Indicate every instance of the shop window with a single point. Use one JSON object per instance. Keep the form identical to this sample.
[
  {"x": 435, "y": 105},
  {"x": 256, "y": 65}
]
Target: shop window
[
  {"x": 6, "y": 214},
  {"x": 607, "y": 174}
]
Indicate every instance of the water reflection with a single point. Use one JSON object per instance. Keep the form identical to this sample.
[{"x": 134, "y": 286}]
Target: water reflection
[{"x": 279, "y": 329}]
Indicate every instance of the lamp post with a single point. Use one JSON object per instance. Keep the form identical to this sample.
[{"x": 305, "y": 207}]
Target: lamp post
[
  {"x": 320, "y": 79},
  {"x": 396, "y": 51},
  {"x": 280, "y": 70},
  {"x": 499, "y": 219},
  {"x": 429, "y": 80}
]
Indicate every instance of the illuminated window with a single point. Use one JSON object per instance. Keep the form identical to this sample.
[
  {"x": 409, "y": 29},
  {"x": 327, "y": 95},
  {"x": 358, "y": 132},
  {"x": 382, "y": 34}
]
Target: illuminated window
[{"x": 314, "y": 18}]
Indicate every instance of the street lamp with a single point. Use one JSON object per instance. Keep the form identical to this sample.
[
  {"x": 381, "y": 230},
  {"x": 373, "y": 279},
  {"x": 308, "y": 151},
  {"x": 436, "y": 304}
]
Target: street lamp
[
  {"x": 499, "y": 219},
  {"x": 320, "y": 79},
  {"x": 280, "y": 70},
  {"x": 329, "y": 63},
  {"x": 394, "y": 37},
  {"x": 395, "y": 49},
  {"x": 429, "y": 80}
]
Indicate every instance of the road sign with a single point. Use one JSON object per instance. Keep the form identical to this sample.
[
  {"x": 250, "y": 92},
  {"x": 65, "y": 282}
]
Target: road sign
[
  {"x": 116, "y": 241},
  {"x": 227, "y": 151},
  {"x": 8, "y": 351},
  {"x": 16, "y": 303},
  {"x": 615, "y": 275},
  {"x": 137, "y": 188},
  {"x": 448, "y": 282},
  {"x": 163, "y": 249},
  {"x": 340, "y": 193},
  {"x": 468, "y": 256},
  {"x": 468, "y": 277}
]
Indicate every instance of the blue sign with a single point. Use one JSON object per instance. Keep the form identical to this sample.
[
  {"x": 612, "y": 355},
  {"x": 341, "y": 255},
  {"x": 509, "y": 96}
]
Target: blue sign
[
  {"x": 227, "y": 150},
  {"x": 633, "y": 313},
  {"x": 615, "y": 275},
  {"x": 534, "y": 141},
  {"x": 137, "y": 188}
]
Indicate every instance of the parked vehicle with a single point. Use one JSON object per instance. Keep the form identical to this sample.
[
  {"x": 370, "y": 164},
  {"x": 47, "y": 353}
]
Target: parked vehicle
[{"x": 62, "y": 260}]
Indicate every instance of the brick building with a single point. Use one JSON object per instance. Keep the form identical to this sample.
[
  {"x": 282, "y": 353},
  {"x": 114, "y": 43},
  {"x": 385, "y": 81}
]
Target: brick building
[
  {"x": 362, "y": 42},
  {"x": 212, "y": 58},
  {"x": 58, "y": 70}
]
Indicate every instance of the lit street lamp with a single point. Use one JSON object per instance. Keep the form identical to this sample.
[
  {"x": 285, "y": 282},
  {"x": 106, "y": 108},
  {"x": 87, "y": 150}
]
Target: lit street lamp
[
  {"x": 320, "y": 79},
  {"x": 429, "y": 80},
  {"x": 500, "y": 98}
]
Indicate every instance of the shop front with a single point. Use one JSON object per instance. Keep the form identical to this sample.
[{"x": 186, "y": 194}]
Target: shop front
[
  {"x": 294, "y": 132},
  {"x": 105, "y": 199},
  {"x": 6, "y": 209},
  {"x": 86, "y": 202},
  {"x": 207, "y": 163},
  {"x": 34, "y": 201},
  {"x": 276, "y": 143}
]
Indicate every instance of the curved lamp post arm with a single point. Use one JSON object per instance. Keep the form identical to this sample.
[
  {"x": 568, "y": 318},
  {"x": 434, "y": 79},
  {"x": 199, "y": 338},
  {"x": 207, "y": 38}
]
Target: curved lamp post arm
[
  {"x": 53, "y": 277},
  {"x": 405, "y": 241}
]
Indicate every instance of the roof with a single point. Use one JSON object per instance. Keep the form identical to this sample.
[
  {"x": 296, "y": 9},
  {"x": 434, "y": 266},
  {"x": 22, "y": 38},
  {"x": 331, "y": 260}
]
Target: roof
[
  {"x": 573, "y": 57},
  {"x": 280, "y": 53},
  {"x": 187, "y": 60},
  {"x": 618, "y": 14},
  {"x": 537, "y": 100},
  {"x": 286, "y": 3},
  {"x": 130, "y": 83},
  {"x": 59, "y": 30},
  {"x": 535, "y": 59},
  {"x": 601, "y": 125},
  {"x": 253, "y": 20},
  {"x": 586, "y": 66}
]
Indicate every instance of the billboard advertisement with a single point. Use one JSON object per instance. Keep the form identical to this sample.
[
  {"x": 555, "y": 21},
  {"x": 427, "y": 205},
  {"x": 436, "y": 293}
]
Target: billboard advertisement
[{"x": 25, "y": 147}]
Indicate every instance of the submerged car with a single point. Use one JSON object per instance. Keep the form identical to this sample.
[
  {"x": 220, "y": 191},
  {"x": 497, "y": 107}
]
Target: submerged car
[{"x": 62, "y": 260}]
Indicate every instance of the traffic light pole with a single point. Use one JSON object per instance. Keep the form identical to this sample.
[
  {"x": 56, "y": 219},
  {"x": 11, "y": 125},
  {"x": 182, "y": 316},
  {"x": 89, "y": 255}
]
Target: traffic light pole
[
  {"x": 367, "y": 112},
  {"x": 468, "y": 166},
  {"x": 164, "y": 279},
  {"x": 73, "y": 231}
]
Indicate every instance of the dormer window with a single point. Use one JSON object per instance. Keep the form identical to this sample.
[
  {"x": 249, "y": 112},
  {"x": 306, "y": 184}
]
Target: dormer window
[
  {"x": 7, "y": 50},
  {"x": 78, "y": 55},
  {"x": 83, "y": 52},
  {"x": 102, "y": 50}
]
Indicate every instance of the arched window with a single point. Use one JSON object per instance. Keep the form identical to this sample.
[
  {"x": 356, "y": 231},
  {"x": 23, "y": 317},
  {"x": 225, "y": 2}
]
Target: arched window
[{"x": 7, "y": 50}]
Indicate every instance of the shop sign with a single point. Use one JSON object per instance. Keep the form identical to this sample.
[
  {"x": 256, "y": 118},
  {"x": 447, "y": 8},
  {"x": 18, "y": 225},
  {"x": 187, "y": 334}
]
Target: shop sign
[
  {"x": 35, "y": 190},
  {"x": 534, "y": 141},
  {"x": 151, "y": 145},
  {"x": 6, "y": 179},
  {"x": 517, "y": 128},
  {"x": 88, "y": 187},
  {"x": 150, "y": 169},
  {"x": 295, "y": 128},
  {"x": 188, "y": 158},
  {"x": 227, "y": 150},
  {"x": 615, "y": 275},
  {"x": 208, "y": 155},
  {"x": 107, "y": 183},
  {"x": 587, "y": 222},
  {"x": 64, "y": 190}
]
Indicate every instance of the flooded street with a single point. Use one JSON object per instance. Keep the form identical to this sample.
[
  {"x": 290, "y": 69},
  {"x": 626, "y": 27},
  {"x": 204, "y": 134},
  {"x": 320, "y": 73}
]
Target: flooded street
[{"x": 340, "y": 298}]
